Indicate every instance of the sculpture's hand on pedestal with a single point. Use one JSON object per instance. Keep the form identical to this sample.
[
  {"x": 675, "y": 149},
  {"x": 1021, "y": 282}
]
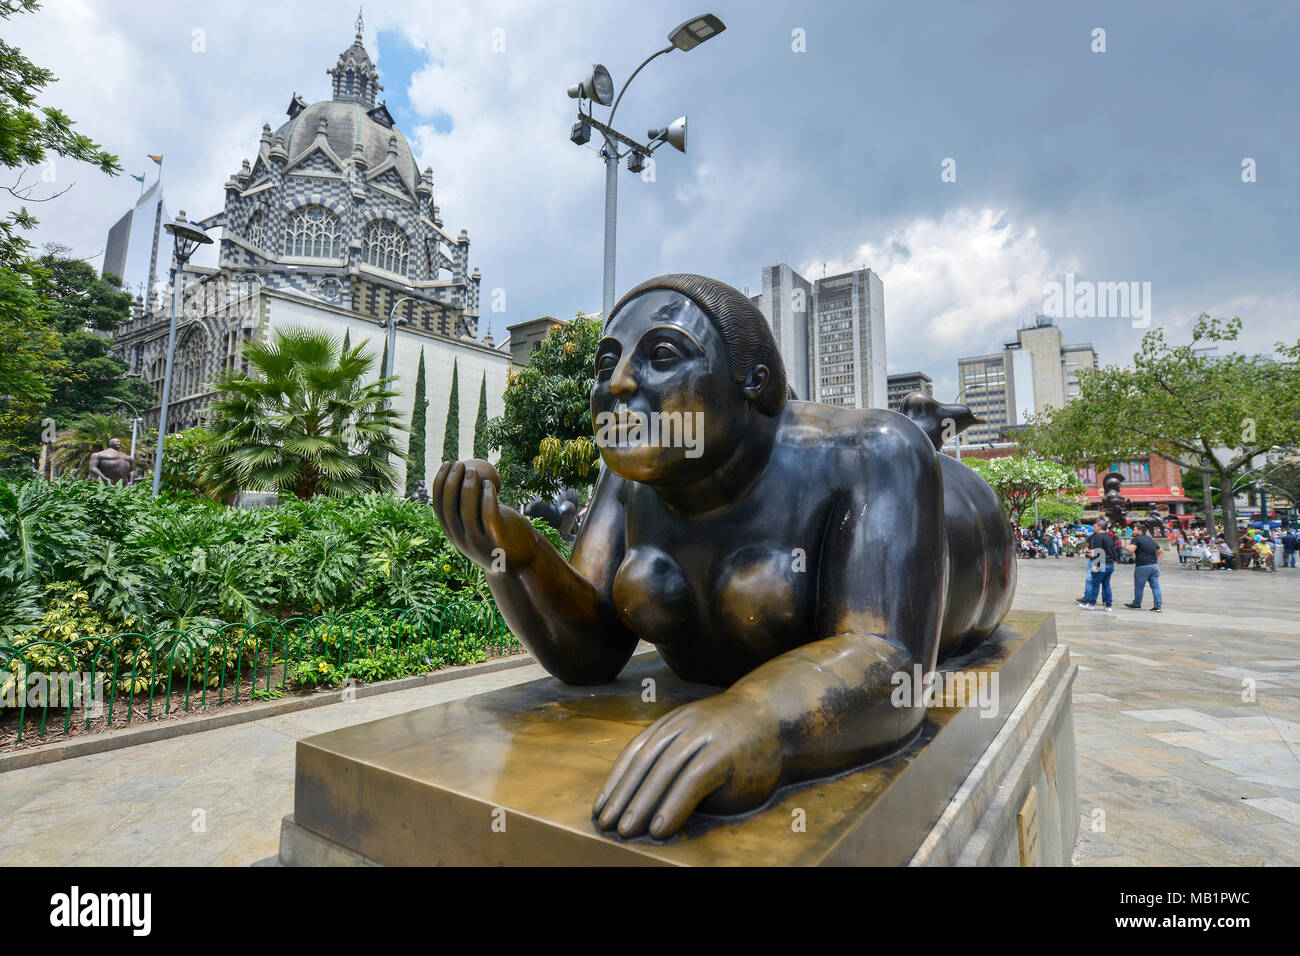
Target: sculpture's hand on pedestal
[
  {"x": 722, "y": 754},
  {"x": 492, "y": 535}
]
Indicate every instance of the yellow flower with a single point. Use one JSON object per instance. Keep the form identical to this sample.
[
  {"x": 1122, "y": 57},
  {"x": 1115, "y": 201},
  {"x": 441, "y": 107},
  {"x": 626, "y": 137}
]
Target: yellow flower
[{"x": 446, "y": 567}]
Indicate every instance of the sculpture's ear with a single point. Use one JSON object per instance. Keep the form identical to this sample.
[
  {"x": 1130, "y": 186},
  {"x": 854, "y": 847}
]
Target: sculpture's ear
[{"x": 754, "y": 382}]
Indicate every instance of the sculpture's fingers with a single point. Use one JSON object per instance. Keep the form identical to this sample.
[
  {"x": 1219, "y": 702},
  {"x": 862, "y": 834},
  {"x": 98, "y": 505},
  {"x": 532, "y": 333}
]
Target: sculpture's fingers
[
  {"x": 705, "y": 773},
  {"x": 626, "y": 757},
  {"x": 452, "y": 522},
  {"x": 435, "y": 493},
  {"x": 470, "y": 503},
  {"x": 636, "y": 819},
  {"x": 626, "y": 787},
  {"x": 490, "y": 512},
  {"x": 620, "y": 765}
]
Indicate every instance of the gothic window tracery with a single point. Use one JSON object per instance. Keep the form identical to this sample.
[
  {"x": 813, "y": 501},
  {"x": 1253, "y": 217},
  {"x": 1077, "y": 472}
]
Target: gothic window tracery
[
  {"x": 386, "y": 246},
  {"x": 314, "y": 232},
  {"x": 255, "y": 232}
]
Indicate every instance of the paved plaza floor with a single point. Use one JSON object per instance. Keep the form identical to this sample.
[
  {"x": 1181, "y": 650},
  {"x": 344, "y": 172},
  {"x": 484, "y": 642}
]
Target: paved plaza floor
[{"x": 1187, "y": 722}]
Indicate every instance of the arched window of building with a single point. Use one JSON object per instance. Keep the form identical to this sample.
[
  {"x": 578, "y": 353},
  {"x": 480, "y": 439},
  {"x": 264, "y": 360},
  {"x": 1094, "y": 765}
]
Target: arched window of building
[
  {"x": 313, "y": 232},
  {"x": 385, "y": 246},
  {"x": 351, "y": 80},
  {"x": 190, "y": 364},
  {"x": 255, "y": 232}
]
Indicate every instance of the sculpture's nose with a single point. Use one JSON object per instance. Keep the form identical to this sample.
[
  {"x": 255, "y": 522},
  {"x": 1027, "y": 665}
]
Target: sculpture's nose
[{"x": 621, "y": 383}]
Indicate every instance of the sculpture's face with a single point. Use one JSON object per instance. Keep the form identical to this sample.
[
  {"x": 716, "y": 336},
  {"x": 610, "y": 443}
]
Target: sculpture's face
[
  {"x": 115, "y": 444},
  {"x": 664, "y": 407}
]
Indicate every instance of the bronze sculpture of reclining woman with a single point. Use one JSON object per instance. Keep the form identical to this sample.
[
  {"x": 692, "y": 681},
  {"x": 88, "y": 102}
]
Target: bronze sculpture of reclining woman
[{"x": 797, "y": 554}]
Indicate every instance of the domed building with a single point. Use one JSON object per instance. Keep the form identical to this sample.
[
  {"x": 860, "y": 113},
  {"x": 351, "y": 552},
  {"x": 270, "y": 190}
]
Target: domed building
[
  {"x": 332, "y": 224},
  {"x": 335, "y": 206}
]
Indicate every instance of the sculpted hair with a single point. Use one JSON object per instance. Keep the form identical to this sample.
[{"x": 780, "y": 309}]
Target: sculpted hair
[{"x": 745, "y": 333}]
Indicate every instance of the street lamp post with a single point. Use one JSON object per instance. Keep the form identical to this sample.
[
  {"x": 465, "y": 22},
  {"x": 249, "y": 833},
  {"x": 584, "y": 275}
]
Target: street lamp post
[
  {"x": 390, "y": 347},
  {"x": 599, "y": 87},
  {"x": 186, "y": 237}
]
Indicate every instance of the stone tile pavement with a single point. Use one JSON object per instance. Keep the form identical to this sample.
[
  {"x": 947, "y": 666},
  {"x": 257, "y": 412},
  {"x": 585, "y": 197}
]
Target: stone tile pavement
[
  {"x": 1175, "y": 767},
  {"x": 1188, "y": 721}
]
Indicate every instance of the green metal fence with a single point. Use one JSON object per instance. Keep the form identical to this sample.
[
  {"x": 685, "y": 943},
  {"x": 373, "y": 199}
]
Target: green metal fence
[{"x": 208, "y": 665}]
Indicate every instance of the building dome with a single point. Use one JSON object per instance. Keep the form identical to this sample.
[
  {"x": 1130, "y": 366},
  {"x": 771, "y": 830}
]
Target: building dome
[{"x": 348, "y": 123}]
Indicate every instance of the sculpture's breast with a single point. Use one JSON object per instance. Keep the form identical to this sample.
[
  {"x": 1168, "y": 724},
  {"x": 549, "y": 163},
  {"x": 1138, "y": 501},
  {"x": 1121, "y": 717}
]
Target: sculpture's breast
[
  {"x": 653, "y": 597},
  {"x": 762, "y": 598}
]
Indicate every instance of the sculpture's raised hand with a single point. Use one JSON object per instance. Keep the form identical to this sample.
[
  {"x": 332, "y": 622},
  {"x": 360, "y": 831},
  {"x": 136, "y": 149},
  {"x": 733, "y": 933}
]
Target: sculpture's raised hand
[
  {"x": 494, "y": 536},
  {"x": 722, "y": 754}
]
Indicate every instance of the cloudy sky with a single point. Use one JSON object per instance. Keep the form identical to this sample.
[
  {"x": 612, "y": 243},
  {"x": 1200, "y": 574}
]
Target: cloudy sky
[{"x": 818, "y": 137}]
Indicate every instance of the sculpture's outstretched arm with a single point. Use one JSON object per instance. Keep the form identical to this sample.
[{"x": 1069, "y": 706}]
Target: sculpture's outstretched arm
[
  {"x": 561, "y": 613},
  {"x": 825, "y": 706}
]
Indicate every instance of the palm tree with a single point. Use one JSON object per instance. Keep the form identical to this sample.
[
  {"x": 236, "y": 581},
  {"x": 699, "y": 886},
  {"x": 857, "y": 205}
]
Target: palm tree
[
  {"x": 88, "y": 434},
  {"x": 304, "y": 420}
]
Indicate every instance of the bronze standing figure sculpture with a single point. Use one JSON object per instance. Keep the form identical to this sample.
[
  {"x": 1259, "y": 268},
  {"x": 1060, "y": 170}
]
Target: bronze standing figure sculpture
[
  {"x": 795, "y": 553},
  {"x": 111, "y": 465}
]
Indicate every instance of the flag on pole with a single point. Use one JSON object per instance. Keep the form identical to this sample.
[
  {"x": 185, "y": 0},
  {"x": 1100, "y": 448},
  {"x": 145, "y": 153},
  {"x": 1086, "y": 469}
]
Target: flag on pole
[
  {"x": 138, "y": 179},
  {"x": 156, "y": 159}
]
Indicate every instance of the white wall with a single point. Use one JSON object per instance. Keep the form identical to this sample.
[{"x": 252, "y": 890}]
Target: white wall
[{"x": 439, "y": 353}]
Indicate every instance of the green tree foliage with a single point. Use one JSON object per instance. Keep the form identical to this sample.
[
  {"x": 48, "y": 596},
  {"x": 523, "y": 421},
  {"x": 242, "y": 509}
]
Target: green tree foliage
[
  {"x": 451, "y": 433},
  {"x": 545, "y": 433},
  {"x": 1207, "y": 412},
  {"x": 1020, "y": 480},
  {"x": 481, "y": 449},
  {"x": 303, "y": 421},
  {"x": 415, "y": 471},
  {"x": 29, "y": 133},
  {"x": 189, "y": 465},
  {"x": 30, "y": 357}
]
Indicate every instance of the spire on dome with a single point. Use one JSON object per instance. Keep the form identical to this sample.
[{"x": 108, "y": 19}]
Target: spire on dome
[{"x": 355, "y": 78}]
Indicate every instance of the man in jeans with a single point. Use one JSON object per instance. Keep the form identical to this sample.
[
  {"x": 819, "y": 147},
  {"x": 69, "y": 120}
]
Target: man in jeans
[
  {"x": 1146, "y": 566},
  {"x": 1290, "y": 545},
  {"x": 1102, "y": 555}
]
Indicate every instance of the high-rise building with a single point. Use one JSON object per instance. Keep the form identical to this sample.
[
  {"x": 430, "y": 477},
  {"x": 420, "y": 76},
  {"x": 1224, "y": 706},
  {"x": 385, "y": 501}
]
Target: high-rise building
[
  {"x": 1029, "y": 374},
  {"x": 831, "y": 333},
  {"x": 904, "y": 384}
]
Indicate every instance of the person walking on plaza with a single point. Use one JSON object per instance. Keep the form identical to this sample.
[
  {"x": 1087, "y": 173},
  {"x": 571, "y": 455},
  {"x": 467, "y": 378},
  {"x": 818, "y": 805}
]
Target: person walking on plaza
[
  {"x": 1102, "y": 555},
  {"x": 1146, "y": 566},
  {"x": 1290, "y": 545}
]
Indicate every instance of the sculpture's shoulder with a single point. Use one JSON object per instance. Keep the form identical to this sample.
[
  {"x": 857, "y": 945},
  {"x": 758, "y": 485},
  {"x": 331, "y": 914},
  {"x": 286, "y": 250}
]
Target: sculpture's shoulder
[{"x": 867, "y": 432}]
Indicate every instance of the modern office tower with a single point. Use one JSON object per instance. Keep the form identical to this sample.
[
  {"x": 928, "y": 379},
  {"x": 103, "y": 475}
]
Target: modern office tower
[
  {"x": 786, "y": 300},
  {"x": 904, "y": 384},
  {"x": 1028, "y": 375},
  {"x": 831, "y": 333}
]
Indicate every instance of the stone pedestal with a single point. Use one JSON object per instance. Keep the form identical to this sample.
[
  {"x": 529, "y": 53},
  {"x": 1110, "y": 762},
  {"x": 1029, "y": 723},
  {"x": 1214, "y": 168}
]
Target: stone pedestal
[{"x": 509, "y": 777}]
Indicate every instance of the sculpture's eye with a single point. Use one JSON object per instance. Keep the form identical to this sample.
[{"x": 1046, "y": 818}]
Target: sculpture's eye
[
  {"x": 605, "y": 363},
  {"x": 663, "y": 353}
]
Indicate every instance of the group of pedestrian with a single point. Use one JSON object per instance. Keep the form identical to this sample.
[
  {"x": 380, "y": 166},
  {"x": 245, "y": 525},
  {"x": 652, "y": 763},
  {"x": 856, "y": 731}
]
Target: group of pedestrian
[
  {"x": 1257, "y": 548},
  {"x": 1103, "y": 551}
]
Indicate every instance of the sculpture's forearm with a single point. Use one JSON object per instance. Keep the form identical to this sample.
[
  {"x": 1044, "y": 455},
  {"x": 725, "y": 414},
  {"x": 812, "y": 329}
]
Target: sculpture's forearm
[
  {"x": 832, "y": 700},
  {"x": 562, "y": 618}
]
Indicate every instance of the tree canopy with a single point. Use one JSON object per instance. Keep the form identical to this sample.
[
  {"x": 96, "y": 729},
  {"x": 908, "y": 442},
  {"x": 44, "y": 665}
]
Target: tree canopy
[
  {"x": 1208, "y": 412},
  {"x": 545, "y": 433},
  {"x": 1021, "y": 480},
  {"x": 29, "y": 134}
]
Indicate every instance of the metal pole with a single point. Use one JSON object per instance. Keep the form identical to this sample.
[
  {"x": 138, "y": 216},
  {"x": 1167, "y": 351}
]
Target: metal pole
[
  {"x": 134, "y": 422},
  {"x": 167, "y": 378},
  {"x": 611, "y": 225}
]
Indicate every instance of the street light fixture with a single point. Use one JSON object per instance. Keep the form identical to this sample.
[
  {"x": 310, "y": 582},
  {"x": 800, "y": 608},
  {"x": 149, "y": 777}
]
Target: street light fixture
[
  {"x": 186, "y": 237},
  {"x": 598, "y": 88},
  {"x": 135, "y": 422}
]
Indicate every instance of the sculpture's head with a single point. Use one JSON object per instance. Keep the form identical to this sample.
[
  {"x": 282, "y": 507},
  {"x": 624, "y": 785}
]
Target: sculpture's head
[
  {"x": 685, "y": 365},
  {"x": 115, "y": 444}
]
